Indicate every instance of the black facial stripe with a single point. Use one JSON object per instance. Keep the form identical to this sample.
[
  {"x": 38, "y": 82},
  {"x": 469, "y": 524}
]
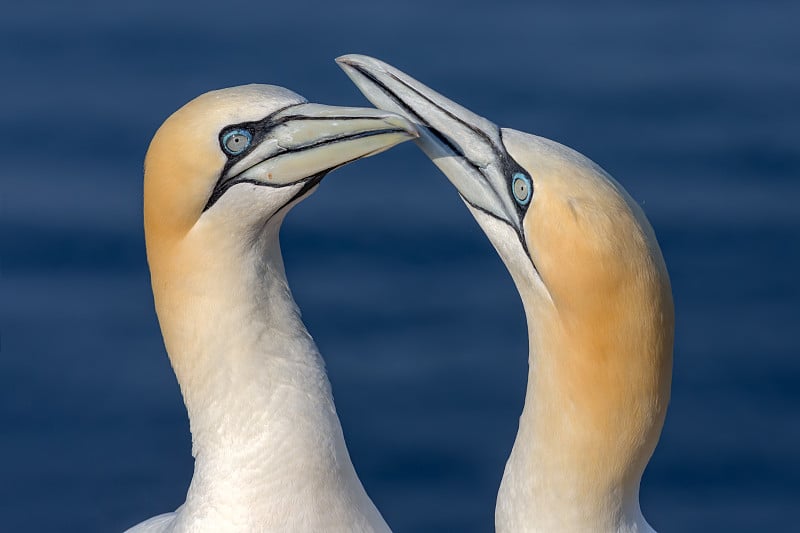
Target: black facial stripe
[
  {"x": 258, "y": 130},
  {"x": 222, "y": 187},
  {"x": 309, "y": 184},
  {"x": 511, "y": 167},
  {"x": 518, "y": 232}
]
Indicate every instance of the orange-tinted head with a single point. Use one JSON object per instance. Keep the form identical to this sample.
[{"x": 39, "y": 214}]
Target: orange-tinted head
[{"x": 241, "y": 155}]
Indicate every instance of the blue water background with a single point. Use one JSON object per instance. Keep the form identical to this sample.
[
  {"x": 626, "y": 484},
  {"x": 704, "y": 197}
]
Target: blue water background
[{"x": 693, "y": 106}]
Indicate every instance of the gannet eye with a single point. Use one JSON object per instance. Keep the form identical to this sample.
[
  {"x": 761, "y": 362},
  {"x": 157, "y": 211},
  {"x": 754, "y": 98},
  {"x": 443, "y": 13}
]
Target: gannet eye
[
  {"x": 236, "y": 141},
  {"x": 521, "y": 185}
]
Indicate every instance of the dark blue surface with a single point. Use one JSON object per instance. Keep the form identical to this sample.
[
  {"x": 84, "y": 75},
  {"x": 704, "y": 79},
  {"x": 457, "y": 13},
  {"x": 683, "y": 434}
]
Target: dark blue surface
[{"x": 694, "y": 107}]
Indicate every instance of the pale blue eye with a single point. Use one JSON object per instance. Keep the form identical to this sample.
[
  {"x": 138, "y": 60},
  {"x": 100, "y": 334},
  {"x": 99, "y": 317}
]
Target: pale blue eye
[
  {"x": 236, "y": 141},
  {"x": 521, "y": 186}
]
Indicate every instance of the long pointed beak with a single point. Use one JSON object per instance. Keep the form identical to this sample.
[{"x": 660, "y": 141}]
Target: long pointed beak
[
  {"x": 466, "y": 147},
  {"x": 303, "y": 142}
]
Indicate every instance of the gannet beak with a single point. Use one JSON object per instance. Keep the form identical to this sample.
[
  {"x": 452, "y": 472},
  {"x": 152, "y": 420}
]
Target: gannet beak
[
  {"x": 303, "y": 142},
  {"x": 466, "y": 147}
]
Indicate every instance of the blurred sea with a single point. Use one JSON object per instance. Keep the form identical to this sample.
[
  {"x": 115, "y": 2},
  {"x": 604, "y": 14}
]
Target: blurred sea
[{"x": 692, "y": 106}]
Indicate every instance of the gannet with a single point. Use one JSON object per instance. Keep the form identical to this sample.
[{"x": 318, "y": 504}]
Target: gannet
[
  {"x": 597, "y": 299},
  {"x": 220, "y": 175}
]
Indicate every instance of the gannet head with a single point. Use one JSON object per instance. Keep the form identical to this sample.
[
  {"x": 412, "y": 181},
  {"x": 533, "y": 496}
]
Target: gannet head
[
  {"x": 219, "y": 177},
  {"x": 586, "y": 263},
  {"x": 236, "y": 158},
  {"x": 549, "y": 211}
]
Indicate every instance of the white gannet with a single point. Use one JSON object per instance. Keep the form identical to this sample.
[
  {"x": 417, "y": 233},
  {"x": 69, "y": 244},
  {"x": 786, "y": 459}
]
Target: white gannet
[
  {"x": 220, "y": 175},
  {"x": 597, "y": 299}
]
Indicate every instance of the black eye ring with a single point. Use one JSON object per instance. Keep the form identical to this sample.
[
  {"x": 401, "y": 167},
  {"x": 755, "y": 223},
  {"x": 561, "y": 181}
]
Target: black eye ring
[
  {"x": 521, "y": 187},
  {"x": 236, "y": 141}
]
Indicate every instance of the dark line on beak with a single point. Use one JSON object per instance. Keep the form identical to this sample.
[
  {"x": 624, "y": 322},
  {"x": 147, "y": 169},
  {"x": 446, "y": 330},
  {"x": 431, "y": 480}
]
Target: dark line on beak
[
  {"x": 309, "y": 184},
  {"x": 333, "y": 140},
  {"x": 479, "y": 132},
  {"x": 300, "y": 118},
  {"x": 226, "y": 183},
  {"x": 396, "y": 99}
]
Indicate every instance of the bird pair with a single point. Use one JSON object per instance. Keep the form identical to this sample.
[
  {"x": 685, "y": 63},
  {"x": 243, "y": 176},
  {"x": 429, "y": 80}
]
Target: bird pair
[{"x": 221, "y": 174}]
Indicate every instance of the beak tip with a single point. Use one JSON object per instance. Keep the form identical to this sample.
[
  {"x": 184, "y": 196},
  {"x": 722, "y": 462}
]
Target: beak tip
[
  {"x": 343, "y": 60},
  {"x": 361, "y": 61},
  {"x": 348, "y": 59}
]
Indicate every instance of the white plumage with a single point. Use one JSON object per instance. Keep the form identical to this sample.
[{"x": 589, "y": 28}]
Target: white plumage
[{"x": 220, "y": 175}]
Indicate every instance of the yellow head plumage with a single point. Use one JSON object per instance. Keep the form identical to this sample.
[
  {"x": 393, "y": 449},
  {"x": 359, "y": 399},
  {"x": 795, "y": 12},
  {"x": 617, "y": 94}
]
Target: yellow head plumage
[{"x": 220, "y": 175}]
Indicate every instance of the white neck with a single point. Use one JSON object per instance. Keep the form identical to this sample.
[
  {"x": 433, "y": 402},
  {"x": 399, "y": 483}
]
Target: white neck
[
  {"x": 599, "y": 375},
  {"x": 565, "y": 472},
  {"x": 268, "y": 446}
]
